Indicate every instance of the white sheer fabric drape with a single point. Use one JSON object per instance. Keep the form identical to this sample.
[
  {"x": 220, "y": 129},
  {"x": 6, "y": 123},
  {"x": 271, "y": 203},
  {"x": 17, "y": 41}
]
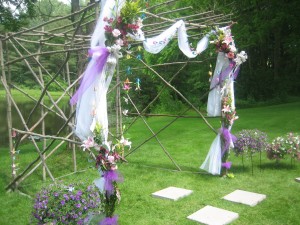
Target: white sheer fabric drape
[
  {"x": 214, "y": 96},
  {"x": 212, "y": 163}
]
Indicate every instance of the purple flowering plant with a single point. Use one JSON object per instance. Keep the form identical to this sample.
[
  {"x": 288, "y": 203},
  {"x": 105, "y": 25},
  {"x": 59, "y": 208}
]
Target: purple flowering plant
[
  {"x": 250, "y": 142},
  {"x": 282, "y": 146},
  {"x": 66, "y": 204}
]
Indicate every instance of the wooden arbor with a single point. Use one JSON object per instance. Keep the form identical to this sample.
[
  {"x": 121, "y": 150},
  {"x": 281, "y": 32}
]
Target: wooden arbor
[{"x": 65, "y": 43}]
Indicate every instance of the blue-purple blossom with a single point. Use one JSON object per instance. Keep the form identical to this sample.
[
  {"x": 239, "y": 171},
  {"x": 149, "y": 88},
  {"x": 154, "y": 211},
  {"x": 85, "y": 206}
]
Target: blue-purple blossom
[
  {"x": 250, "y": 141},
  {"x": 56, "y": 203}
]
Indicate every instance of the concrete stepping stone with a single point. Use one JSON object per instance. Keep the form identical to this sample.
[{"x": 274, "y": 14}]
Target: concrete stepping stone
[
  {"x": 172, "y": 193},
  {"x": 245, "y": 197},
  {"x": 297, "y": 179},
  {"x": 213, "y": 216}
]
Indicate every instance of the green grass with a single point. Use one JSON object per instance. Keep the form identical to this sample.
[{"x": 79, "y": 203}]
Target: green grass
[
  {"x": 35, "y": 93},
  {"x": 149, "y": 170}
]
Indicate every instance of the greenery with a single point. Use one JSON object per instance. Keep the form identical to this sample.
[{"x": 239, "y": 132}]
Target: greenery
[{"x": 149, "y": 170}]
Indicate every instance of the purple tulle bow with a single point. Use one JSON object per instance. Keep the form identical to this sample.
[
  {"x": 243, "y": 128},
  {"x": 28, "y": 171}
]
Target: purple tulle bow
[
  {"x": 230, "y": 68},
  {"x": 109, "y": 221},
  {"x": 99, "y": 58},
  {"x": 226, "y": 165},
  {"x": 228, "y": 138},
  {"x": 110, "y": 177}
]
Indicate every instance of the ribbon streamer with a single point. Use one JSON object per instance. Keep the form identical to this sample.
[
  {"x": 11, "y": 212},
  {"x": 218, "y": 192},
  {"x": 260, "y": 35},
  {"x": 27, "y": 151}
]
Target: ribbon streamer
[
  {"x": 99, "y": 58},
  {"x": 109, "y": 221}
]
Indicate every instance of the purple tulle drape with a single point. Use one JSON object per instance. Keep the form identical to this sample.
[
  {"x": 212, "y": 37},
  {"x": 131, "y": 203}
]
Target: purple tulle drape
[
  {"x": 228, "y": 138},
  {"x": 226, "y": 165},
  {"x": 110, "y": 177},
  {"x": 109, "y": 221},
  {"x": 99, "y": 57}
]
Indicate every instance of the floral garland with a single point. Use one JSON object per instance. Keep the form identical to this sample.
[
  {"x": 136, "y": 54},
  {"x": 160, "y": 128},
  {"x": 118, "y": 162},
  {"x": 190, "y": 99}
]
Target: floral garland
[
  {"x": 224, "y": 42},
  {"x": 118, "y": 30},
  {"x": 106, "y": 158}
]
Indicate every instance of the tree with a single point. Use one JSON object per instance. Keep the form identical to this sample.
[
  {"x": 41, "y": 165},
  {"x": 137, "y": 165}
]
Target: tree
[{"x": 15, "y": 13}]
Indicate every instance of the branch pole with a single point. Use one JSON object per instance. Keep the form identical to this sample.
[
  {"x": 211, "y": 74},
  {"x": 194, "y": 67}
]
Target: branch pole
[
  {"x": 42, "y": 103},
  {"x": 8, "y": 117},
  {"x": 182, "y": 96},
  {"x": 153, "y": 133}
]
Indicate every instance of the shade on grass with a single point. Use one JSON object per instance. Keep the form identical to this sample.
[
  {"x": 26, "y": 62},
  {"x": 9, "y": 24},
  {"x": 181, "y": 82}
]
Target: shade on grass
[{"x": 150, "y": 170}]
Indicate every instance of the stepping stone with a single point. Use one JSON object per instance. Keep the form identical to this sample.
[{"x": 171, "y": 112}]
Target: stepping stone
[
  {"x": 213, "y": 216},
  {"x": 172, "y": 193},
  {"x": 297, "y": 179},
  {"x": 245, "y": 197}
]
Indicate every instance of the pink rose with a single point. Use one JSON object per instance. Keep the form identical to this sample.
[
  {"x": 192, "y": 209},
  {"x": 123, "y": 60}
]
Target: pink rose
[{"x": 116, "y": 33}]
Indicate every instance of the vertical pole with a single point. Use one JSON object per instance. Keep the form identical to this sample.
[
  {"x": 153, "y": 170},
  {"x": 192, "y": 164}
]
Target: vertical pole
[
  {"x": 73, "y": 147},
  {"x": 119, "y": 128},
  {"x": 9, "y": 117},
  {"x": 42, "y": 108}
]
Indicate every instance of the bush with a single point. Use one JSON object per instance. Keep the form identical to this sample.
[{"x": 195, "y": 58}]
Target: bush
[
  {"x": 71, "y": 204},
  {"x": 250, "y": 142},
  {"x": 282, "y": 146}
]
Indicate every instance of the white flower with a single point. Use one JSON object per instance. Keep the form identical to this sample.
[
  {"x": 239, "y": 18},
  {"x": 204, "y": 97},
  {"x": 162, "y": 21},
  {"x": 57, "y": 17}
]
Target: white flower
[
  {"x": 116, "y": 33},
  {"x": 125, "y": 142},
  {"x": 241, "y": 58},
  {"x": 139, "y": 22},
  {"x": 126, "y": 100}
]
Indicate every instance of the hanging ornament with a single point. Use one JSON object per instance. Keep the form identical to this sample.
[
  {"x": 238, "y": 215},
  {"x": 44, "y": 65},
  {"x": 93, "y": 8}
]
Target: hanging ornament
[
  {"x": 126, "y": 85},
  {"x": 139, "y": 48},
  {"x": 128, "y": 70},
  {"x": 139, "y": 57},
  {"x": 138, "y": 84}
]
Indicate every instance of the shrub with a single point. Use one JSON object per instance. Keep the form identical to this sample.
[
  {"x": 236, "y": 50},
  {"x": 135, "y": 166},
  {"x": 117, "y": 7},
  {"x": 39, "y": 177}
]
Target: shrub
[
  {"x": 71, "y": 204},
  {"x": 250, "y": 142},
  {"x": 282, "y": 146}
]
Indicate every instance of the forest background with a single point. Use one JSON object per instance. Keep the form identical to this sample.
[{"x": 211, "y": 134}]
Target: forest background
[{"x": 268, "y": 30}]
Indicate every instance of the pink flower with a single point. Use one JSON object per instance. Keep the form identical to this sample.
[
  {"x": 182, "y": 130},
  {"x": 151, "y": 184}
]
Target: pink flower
[
  {"x": 119, "y": 20},
  {"x": 116, "y": 33},
  {"x": 226, "y": 109},
  {"x": 108, "y": 29},
  {"x": 126, "y": 87},
  {"x": 87, "y": 144},
  {"x": 228, "y": 40},
  {"x": 111, "y": 158},
  {"x": 120, "y": 42},
  {"x": 230, "y": 55}
]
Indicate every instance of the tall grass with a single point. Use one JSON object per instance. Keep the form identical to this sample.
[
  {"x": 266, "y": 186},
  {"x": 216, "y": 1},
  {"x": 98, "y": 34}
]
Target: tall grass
[{"x": 149, "y": 170}]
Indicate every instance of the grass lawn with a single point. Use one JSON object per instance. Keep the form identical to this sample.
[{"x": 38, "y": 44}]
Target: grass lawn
[{"x": 149, "y": 170}]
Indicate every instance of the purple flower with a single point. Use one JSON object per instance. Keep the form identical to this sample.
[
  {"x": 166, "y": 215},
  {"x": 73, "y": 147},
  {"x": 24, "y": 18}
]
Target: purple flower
[
  {"x": 78, "y": 205},
  {"x": 62, "y": 202},
  {"x": 56, "y": 194}
]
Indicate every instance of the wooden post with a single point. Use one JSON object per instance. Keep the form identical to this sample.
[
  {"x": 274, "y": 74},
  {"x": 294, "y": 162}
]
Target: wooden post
[
  {"x": 42, "y": 102},
  {"x": 9, "y": 119},
  {"x": 72, "y": 145}
]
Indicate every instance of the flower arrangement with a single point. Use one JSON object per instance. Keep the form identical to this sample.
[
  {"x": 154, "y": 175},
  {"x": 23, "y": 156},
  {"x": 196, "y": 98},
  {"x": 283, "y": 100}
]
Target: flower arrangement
[
  {"x": 106, "y": 158},
  {"x": 71, "y": 204},
  {"x": 250, "y": 141},
  {"x": 282, "y": 146},
  {"x": 128, "y": 22},
  {"x": 228, "y": 111},
  {"x": 224, "y": 42}
]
